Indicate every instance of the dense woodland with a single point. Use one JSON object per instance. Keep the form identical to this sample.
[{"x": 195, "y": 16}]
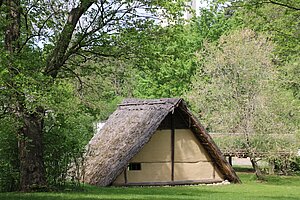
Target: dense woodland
[{"x": 65, "y": 65}]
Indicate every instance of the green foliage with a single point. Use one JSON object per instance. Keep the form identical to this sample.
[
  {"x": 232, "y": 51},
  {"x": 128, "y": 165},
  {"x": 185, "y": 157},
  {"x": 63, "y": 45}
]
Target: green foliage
[
  {"x": 291, "y": 76},
  {"x": 67, "y": 129},
  {"x": 211, "y": 25},
  {"x": 44, "y": 71},
  {"x": 66, "y": 140},
  {"x": 295, "y": 164},
  {"x": 279, "y": 20},
  {"x": 9, "y": 162},
  {"x": 237, "y": 90},
  {"x": 24, "y": 78},
  {"x": 168, "y": 60},
  {"x": 232, "y": 74},
  {"x": 104, "y": 84},
  {"x": 116, "y": 52}
]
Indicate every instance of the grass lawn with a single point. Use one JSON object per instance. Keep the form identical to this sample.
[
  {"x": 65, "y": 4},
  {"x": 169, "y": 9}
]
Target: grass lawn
[{"x": 276, "y": 188}]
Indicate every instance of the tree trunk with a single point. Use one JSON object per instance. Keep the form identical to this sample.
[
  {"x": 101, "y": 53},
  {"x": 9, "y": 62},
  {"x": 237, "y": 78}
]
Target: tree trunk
[
  {"x": 258, "y": 172},
  {"x": 32, "y": 170},
  {"x": 252, "y": 157},
  {"x": 271, "y": 167},
  {"x": 12, "y": 30}
]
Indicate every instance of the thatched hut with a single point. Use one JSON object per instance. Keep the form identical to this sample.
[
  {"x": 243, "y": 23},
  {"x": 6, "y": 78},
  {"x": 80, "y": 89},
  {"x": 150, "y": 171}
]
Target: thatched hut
[{"x": 154, "y": 142}]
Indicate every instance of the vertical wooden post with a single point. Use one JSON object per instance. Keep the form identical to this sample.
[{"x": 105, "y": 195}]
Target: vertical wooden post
[
  {"x": 125, "y": 175},
  {"x": 172, "y": 146},
  {"x": 214, "y": 170},
  {"x": 230, "y": 160},
  {"x": 271, "y": 167}
]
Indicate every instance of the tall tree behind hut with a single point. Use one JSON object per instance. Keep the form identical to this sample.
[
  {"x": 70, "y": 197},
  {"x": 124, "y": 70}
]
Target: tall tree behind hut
[
  {"x": 44, "y": 43},
  {"x": 280, "y": 21},
  {"x": 236, "y": 91}
]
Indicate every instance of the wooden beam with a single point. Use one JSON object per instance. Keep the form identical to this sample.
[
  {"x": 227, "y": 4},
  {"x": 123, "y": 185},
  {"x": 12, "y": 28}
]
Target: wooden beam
[
  {"x": 125, "y": 175},
  {"x": 172, "y": 147},
  {"x": 209, "y": 145},
  {"x": 186, "y": 182},
  {"x": 214, "y": 171}
]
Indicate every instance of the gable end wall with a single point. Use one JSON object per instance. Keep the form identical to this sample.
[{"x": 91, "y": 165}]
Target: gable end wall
[{"x": 191, "y": 162}]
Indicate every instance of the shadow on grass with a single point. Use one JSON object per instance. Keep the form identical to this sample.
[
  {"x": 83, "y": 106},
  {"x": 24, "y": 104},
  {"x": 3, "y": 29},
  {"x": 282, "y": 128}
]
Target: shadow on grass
[{"x": 245, "y": 169}]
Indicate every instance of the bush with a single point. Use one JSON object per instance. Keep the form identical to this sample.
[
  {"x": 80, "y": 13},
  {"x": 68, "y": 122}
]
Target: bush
[
  {"x": 9, "y": 162},
  {"x": 295, "y": 164},
  {"x": 66, "y": 136}
]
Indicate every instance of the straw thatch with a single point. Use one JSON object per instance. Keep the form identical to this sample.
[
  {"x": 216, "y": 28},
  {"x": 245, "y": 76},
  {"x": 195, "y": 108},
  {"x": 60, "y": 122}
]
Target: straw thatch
[{"x": 129, "y": 128}]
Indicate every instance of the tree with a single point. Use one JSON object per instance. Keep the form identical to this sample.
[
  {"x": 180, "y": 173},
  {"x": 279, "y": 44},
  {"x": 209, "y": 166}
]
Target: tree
[
  {"x": 169, "y": 65},
  {"x": 278, "y": 19},
  {"x": 39, "y": 40},
  {"x": 293, "y": 4},
  {"x": 171, "y": 62},
  {"x": 281, "y": 24},
  {"x": 234, "y": 91}
]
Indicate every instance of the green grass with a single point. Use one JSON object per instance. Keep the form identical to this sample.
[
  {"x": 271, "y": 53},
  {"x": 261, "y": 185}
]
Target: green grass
[{"x": 276, "y": 188}]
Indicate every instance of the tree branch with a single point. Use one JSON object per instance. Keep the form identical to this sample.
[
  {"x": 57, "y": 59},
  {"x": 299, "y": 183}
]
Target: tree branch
[
  {"x": 255, "y": 2},
  {"x": 284, "y": 5},
  {"x": 29, "y": 37},
  {"x": 78, "y": 44},
  {"x": 57, "y": 58},
  {"x": 77, "y": 77},
  {"x": 102, "y": 54}
]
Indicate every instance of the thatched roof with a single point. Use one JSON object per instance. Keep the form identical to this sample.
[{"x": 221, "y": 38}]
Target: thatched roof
[{"x": 129, "y": 128}]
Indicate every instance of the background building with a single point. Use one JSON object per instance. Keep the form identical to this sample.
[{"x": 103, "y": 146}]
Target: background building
[{"x": 195, "y": 5}]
